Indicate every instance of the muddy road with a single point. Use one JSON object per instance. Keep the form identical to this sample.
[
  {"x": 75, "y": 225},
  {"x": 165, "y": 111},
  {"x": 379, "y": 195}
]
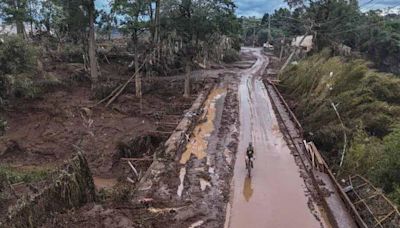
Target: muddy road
[{"x": 275, "y": 195}]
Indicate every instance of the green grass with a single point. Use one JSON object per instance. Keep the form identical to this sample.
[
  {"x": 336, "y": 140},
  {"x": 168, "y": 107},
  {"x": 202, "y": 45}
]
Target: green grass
[
  {"x": 16, "y": 175},
  {"x": 369, "y": 105}
]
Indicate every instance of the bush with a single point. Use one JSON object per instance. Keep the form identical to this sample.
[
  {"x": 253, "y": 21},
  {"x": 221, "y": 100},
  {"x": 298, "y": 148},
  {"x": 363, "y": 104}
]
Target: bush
[
  {"x": 17, "y": 65},
  {"x": 16, "y": 56},
  {"x": 369, "y": 105},
  {"x": 363, "y": 96},
  {"x": 386, "y": 172},
  {"x": 230, "y": 56}
]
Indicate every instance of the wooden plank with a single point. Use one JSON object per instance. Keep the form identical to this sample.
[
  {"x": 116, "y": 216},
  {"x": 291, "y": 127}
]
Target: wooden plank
[
  {"x": 136, "y": 159},
  {"x": 386, "y": 217}
]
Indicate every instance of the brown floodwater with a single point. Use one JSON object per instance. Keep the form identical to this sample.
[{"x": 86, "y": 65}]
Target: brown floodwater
[{"x": 104, "y": 183}]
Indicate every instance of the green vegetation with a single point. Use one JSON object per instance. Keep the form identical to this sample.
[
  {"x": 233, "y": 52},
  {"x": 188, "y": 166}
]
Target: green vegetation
[
  {"x": 231, "y": 56},
  {"x": 369, "y": 105},
  {"x": 375, "y": 34},
  {"x": 17, "y": 66},
  {"x": 16, "y": 56},
  {"x": 15, "y": 175}
]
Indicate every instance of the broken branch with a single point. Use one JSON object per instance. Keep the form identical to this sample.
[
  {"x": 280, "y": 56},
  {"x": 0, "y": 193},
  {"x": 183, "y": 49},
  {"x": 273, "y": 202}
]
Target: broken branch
[{"x": 133, "y": 168}]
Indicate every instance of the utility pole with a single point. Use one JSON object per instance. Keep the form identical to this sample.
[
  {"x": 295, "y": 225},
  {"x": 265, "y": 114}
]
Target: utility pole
[
  {"x": 282, "y": 46},
  {"x": 308, "y": 31},
  {"x": 254, "y": 36},
  {"x": 94, "y": 74},
  {"x": 269, "y": 29}
]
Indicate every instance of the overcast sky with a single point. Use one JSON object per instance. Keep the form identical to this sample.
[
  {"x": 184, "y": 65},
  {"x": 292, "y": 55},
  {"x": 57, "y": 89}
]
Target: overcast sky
[{"x": 259, "y": 7}]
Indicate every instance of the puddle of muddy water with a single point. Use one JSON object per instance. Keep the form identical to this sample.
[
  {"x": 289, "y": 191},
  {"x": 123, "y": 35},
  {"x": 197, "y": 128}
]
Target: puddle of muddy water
[
  {"x": 247, "y": 189},
  {"x": 104, "y": 183},
  {"x": 198, "y": 143}
]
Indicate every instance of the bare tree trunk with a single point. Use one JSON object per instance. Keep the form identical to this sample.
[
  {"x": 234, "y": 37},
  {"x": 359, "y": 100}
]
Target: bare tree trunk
[
  {"x": 18, "y": 22},
  {"x": 187, "y": 80},
  {"x": 157, "y": 28},
  {"x": 282, "y": 47},
  {"x": 94, "y": 74},
  {"x": 152, "y": 20},
  {"x": 20, "y": 28},
  {"x": 138, "y": 79}
]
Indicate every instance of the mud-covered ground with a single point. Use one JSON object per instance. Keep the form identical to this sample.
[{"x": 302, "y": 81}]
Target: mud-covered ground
[
  {"x": 192, "y": 189},
  {"x": 44, "y": 132},
  {"x": 47, "y": 131}
]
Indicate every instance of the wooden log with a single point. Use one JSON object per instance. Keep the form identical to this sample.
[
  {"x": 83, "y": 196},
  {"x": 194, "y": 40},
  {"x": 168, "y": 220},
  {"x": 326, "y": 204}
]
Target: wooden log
[
  {"x": 162, "y": 132},
  {"x": 133, "y": 168},
  {"x": 136, "y": 159},
  {"x": 130, "y": 180}
]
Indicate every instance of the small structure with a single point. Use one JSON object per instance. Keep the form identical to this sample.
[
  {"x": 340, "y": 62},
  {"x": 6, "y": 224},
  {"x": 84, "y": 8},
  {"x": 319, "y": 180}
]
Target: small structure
[
  {"x": 306, "y": 45},
  {"x": 268, "y": 47}
]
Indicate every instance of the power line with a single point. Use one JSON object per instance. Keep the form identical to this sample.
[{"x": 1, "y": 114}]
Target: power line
[{"x": 369, "y": 2}]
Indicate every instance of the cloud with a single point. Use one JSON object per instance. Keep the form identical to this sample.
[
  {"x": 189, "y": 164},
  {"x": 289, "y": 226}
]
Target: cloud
[
  {"x": 257, "y": 7},
  {"x": 102, "y": 4},
  {"x": 378, "y": 4}
]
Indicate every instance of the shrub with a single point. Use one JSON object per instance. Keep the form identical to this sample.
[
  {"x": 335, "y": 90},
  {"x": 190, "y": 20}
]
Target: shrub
[
  {"x": 17, "y": 65},
  {"x": 369, "y": 105},
  {"x": 363, "y": 96},
  {"x": 230, "y": 56},
  {"x": 16, "y": 56},
  {"x": 386, "y": 172}
]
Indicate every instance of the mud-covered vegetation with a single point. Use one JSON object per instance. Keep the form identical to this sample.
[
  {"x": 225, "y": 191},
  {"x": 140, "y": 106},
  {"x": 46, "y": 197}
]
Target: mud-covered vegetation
[
  {"x": 367, "y": 102},
  {"x": 15, "y": 175},
  {"x": 70, "y": 187}
]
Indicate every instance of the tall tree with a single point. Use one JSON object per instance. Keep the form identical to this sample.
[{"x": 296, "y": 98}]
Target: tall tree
[
  {"x": 196, "y": 22},
  {"x": 94, "y": 74},
  {"x": 133, "y": 22},
  {"x": 157, "y": 27},
  {"x": 15, "y": 12}
]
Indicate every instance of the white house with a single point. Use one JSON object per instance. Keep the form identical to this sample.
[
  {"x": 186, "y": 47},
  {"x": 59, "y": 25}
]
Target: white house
[{"x": 306, "y": 45}]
